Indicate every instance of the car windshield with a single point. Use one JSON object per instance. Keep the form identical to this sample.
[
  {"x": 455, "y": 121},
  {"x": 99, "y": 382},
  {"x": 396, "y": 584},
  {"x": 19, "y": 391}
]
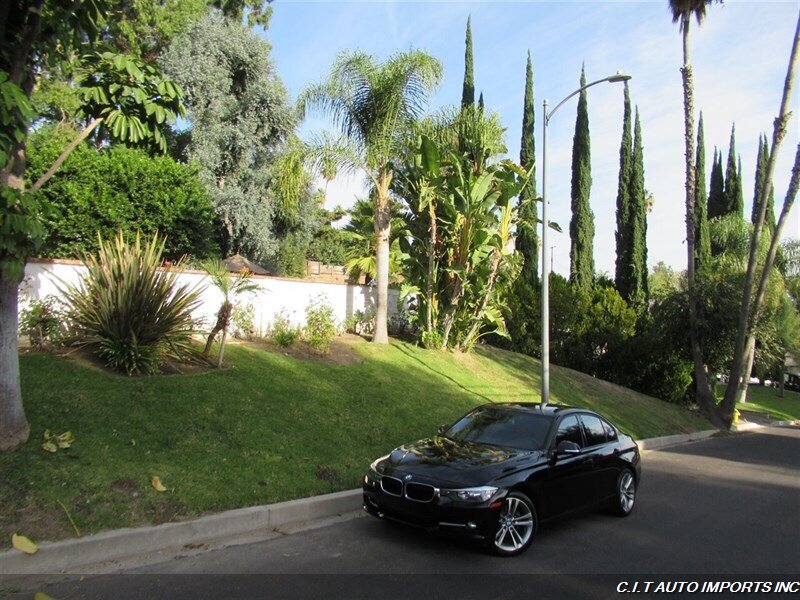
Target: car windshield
[{"x": 509, "y": 428}]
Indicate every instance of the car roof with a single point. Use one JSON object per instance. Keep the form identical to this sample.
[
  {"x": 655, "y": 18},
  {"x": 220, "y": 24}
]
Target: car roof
[{"x": 551, "y": 410}]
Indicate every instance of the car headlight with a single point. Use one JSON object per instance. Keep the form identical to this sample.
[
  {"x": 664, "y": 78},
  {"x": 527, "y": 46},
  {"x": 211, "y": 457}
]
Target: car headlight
[{"x": 474, "y": 495}]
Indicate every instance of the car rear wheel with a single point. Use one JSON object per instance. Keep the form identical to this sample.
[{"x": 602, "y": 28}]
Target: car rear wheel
[
  {"x": 516, "y": 525},
  {"x": 625, "y": 498}
]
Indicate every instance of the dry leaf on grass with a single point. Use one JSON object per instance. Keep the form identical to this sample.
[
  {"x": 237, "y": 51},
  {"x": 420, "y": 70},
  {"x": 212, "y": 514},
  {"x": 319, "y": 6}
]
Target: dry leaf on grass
[
  {"x": 23, "y": 544},
  {"x": 157, "y": 485}
]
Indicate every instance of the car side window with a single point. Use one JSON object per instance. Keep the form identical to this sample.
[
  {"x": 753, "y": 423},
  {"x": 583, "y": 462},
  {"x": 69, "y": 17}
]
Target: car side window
[
  {"x": 611, "y": 433},
  {"x": 594, "y": 430},
  {"x": 569, "y": 429}
]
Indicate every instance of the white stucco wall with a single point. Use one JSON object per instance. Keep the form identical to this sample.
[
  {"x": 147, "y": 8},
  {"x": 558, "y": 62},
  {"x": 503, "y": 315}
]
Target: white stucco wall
[{"x": 275, "y": 294}]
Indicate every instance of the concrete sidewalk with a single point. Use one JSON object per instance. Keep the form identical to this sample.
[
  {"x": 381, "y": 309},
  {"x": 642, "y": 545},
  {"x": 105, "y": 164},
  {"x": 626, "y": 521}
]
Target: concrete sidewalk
[{"x": 106, "y": 551}]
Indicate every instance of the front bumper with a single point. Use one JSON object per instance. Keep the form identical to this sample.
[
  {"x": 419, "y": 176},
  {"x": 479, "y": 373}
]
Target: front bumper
[{"x": 440, "y": 514}]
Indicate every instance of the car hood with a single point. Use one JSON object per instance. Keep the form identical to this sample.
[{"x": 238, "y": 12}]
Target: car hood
[{"x": 445, "y": 462}]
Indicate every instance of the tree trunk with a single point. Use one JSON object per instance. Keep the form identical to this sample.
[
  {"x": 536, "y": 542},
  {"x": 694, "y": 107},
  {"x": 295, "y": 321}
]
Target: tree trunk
[
  {"x": 223, "y": 319},
  {"x": 383, "y": 221},
  {"x": 222, "y": 347},
  {"x": 14, "y": 428},
  {"x": 781, "y": 384},
  {"x": 746, "y": 323},
  {"x": 473, "y": 331},
  {"x": 703, "y": 393},
  {"x": 431, "y": 265},
  {"x": 745, "y": 381}
]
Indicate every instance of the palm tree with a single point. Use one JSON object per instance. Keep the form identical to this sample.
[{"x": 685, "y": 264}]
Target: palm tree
[
  {"x": 360, "y": 232},
  {"x": 231, "y": 286},
  {"x": 682, "y": 13},
  {"x": 372, "y": 103}
]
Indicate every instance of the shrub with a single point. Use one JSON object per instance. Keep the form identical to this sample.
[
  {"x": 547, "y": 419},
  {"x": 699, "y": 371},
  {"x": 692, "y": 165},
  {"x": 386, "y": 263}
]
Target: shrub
[
  {"x": 283, "y": 332},
  {"x": 362, "y": 322},
  {"x": 243, "y": 320},
  {"x": 321, "y": 326},
  {"x": 45, "y": 322},
  {"x": 103, "y": 191},
  {"x": 131, "y": 313}
]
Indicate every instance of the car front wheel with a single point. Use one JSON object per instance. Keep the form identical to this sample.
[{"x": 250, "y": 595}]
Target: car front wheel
[{"x": 516, "y": 525}]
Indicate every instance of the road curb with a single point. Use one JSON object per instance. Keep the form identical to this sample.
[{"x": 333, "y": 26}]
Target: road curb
[
  {"x": 665, "y": 441},
  {"x": 119, "y": 544},
  {"x": 226, "y": 528}
]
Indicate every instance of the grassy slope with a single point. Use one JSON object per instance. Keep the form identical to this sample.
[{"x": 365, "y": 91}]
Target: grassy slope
[
  {"x": 762, "y": 399},
  {"x": 270, "y": 428}
]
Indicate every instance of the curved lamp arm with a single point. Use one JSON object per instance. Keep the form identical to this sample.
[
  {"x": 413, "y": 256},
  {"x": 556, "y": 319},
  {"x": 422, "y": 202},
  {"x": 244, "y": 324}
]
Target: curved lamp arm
[{"x": 616, "y": 78}]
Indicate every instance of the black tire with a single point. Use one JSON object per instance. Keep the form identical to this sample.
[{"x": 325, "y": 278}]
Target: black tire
[
  {"x": 524, "y": 522},
  {"x": 624, "y": 494}
]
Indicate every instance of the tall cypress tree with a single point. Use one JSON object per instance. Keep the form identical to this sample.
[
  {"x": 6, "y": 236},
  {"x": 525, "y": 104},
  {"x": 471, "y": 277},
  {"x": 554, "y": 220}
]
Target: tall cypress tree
[
  {"x": 468, "y": 92},
  {"x": 581, "y": 226},
  {"x": 701, "y": 233},
  {"x": 527, "y": 239},
  {"x": 769, "y": 219},
  {"x": 716, "y": 191},
  {"x": 480, "y": 102},
  {"x": 759, "y": 178},
  {"x": 638, "y": 293},
  {"x": 622, "y": 236},
  {"x": 732, "y": 192},
  {"x": 739, "y": 188}
]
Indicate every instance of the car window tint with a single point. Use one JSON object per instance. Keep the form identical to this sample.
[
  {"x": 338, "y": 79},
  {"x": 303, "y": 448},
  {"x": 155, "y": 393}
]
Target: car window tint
[
  {"x": 595, "y": 432},
  {"x": 569, "y": 429},
  {"x": 611, "y": 433}
]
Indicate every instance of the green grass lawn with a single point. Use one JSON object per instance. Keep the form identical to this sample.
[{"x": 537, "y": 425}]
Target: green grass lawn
[
  {"x": 764, "y": 399},
  {"x": 270, "y": 428}
]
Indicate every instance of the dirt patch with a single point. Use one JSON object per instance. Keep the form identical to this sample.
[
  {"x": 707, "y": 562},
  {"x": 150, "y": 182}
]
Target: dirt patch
[
  {"x": 342, "y": 351},
  {"x": 85, "y": 357},
  {"x": 126, "y": 485}
]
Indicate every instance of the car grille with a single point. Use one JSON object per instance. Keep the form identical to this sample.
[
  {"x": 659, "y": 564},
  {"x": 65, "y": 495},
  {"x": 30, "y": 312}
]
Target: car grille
[
  {"x": 420, "y": 492},
  {"x": 392, "y": 486}
]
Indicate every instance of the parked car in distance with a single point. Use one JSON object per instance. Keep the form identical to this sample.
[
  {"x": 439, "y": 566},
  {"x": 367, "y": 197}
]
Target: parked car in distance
[{"x": 500, "y": 470}]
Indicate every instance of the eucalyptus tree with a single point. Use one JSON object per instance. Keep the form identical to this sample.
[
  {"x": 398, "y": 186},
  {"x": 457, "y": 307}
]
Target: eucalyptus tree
[
  {"x": 118, "y": 95},
  {"x": 373, "y": 104},
  {"x": 241, "y": 122},
  {"x": 683, "y": 11}
]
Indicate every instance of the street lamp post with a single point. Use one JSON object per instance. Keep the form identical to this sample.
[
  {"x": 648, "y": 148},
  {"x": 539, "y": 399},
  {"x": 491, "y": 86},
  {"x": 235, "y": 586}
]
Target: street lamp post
[{"x": 618, "y": 77}]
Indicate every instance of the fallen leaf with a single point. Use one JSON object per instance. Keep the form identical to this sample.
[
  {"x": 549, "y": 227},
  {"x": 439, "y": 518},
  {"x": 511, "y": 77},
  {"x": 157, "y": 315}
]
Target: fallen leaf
[
  {"x": 42, "y": 596},
  {"x": 157, "y": 485},
  {"x": 23, "y": 544},
  {"x": 65, "y": 439},
  {"x": 49, "y": 447}
]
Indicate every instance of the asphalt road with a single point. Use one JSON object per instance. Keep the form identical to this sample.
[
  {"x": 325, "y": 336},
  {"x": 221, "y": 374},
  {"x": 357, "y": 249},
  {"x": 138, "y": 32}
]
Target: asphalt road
[{"x": 726, "y": 505}]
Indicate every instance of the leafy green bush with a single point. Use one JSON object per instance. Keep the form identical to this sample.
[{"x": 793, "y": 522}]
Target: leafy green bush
[
  {"x": 133, "y": 314},
  {"x": 103, "y": 191},
  {"x": 321, "y": 326},
  {"x": 362, "y": 322},
  {"x": 243, "y": 320},
  {"x": 45, "y": 322},
  {"x": 283, "y": 332}
]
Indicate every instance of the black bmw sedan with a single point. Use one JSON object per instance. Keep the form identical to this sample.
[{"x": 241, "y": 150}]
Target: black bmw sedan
[{"x": 501, "y": 469}]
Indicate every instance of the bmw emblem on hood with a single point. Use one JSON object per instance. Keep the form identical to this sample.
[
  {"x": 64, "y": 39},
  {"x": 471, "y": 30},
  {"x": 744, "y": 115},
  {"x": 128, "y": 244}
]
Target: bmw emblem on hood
[{"x": 407, "y": 477}]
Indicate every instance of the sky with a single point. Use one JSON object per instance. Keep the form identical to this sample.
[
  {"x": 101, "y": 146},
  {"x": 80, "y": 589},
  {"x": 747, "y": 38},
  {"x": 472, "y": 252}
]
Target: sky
[{"x": 739, "y": 55}]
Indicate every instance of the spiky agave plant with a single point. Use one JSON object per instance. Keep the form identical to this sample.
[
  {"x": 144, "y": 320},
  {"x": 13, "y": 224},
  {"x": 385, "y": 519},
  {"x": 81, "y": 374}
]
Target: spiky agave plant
[{"x": 133, "y": 313}]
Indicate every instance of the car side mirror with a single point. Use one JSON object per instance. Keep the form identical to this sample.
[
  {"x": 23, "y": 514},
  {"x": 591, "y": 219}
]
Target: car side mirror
[
  {"x": 442, "y": 428},
  {"x": 566, "y": 447}
]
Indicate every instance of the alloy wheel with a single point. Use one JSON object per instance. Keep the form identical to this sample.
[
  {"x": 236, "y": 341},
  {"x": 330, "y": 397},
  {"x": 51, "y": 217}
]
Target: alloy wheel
[
  {"x": 627, "y": 492},
  {"x": 515, "y": 526}
]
